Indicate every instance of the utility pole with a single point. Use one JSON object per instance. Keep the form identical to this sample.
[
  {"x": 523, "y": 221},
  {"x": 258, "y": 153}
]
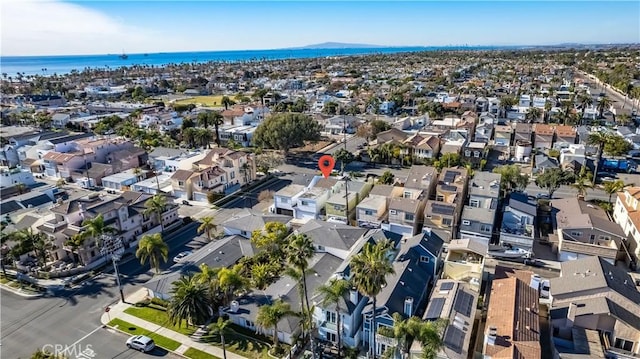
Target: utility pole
[{"x": 112, "y": 247}]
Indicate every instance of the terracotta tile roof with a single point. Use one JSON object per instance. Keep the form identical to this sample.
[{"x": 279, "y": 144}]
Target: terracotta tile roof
[
  {"x": 513, "y": 312},
  {"x": 543, "y": 130},
  {"x": 565, "y": 131}
]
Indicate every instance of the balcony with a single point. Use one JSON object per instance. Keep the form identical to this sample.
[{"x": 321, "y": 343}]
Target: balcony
[{"x": 385, "y": 336}]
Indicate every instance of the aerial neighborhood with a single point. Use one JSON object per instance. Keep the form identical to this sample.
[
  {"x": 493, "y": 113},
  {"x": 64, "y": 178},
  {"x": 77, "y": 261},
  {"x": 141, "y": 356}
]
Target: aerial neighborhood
[{"x": 483, "y": 204}]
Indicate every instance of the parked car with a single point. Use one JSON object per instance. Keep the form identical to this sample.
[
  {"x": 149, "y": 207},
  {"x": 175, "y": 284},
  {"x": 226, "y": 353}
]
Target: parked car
[
  {"x": 181, "y": 256},
  {"x": 542, "y": 196},
  {"x": 534, "y": 263},
  {"x": 141, "y": 343},
  {"x": 544, "y": 288}
]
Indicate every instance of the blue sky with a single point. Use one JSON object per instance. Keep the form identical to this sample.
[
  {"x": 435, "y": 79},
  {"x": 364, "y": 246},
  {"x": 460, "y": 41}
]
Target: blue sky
[{"x": 89, "y": 27}]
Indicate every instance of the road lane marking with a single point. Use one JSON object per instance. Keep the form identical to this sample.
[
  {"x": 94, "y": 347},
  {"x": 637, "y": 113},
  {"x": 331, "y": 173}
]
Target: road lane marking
[{"x": 85, "y": 337}]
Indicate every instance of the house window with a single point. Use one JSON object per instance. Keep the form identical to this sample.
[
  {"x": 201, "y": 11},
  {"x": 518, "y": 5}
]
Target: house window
[
  {"x": 284, "y": 200},
  {"x": 249, "y": 323},
  {"x": 392, "y": 211},
  {"x": 467, "y": 153},
  {"x": 476, "y": 154},
  {"x": 408, "y": 216},
  {"x": 608, "y": 238},
  {"x": 337, "y": 207},
  {"x": 576, "y": 234},
  {"x": 244, "y": 233},
  {"x": 368, "y": 212},
  {"x": 332, "y": 317},
  {"x": 180, "y": 183},
  {"x": 424, "y": 259},
  {"x": 474, "y": 203},
  {"x": 304, "y": 203},
  {"x": 332, "y": 337},
  {"x": 407, "y": 194},
  {"x": 440, "y": 198},
  {"x": 485, "y": 228},
  {"x": 446, "y": 222},
  {"x": 624, "y": 344},
  {"x": 232, "y": 174}
]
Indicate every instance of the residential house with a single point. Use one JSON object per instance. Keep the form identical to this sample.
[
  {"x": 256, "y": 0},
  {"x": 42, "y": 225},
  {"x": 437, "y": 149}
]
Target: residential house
[
  {"x": 210, "y": 180},
  {"x": 245, "y": 222},
  {"x": 502, "y": 135},
  {"x": 421, "y": 146},
  {"x": 474, "y": 153},
  {"x": 583, "y": 229},
  {"x": 341, "y": 206},
  {"x": 62, "y": 165},
  {"x": 478, "y": 216},
  {"x": 594, "y": 295},
  {"x": 542, "y": 162},
  {"x": 443, "y": 213},
  {"x": 182, "y": 184},
  {"x": 121, "y": 181},
  {"x": 484, "y": 129},
  {"x": 393, "y": 135},
  {"x": 60, "y": 120},
  {"x": 524, "y": 132},
  {"x": 454, "y": 303},
  {"x": 240, "y": 134},
  {"x": 13, "y": 176},
  {"x": 573, "y": 157},
  {"x": 334, "y": 238},
  {"x": 512, "y": 328},
  {"x": 406, "y": 293},
  {"x": 565, "y": 136},
  {"x": 544, "y": 135},
  {"x": 518, "y": 222},
  {"x": 626, "y": 213},
  {"x": 239, "y": 167},
  {"x": 160, "y": 183},
  {"x": 337, "y": 125},
  {"x": 465, "y": 261},
  {"x": 372, "y": 210}
]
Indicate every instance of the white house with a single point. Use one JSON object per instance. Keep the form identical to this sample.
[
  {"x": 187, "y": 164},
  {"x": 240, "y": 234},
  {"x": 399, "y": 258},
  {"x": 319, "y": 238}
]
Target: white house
[
  {"x": 12, "y": 177},
  {"x": 625, "y": 213}
]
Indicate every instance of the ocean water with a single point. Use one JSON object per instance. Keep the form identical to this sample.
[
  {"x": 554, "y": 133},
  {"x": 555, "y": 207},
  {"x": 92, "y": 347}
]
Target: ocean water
[{"x": 49, "y": 65}]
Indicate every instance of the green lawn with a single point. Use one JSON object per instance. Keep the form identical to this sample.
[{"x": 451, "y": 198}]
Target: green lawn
[
  {"x": 209, "y": 101},
  {"x": 161, "y": 341},
  {"x": 159, "y": 317},
  {"x": 243, "y": 342},
  {"x": 198, "y": 354}
]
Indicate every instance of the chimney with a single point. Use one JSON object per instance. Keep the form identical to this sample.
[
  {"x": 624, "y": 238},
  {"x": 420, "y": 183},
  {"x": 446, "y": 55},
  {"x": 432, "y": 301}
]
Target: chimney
[
  {"x": 490, "y": 337},
  {"x": 353, "y": 296}
]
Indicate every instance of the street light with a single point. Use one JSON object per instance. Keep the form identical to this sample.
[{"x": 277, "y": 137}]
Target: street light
[{"x": 113, "y": 248}]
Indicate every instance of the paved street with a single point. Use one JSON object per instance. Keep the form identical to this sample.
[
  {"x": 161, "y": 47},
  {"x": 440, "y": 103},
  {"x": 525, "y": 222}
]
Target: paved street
[
  {"x": 568, "y": 191},
  {"x": 597, "y": 86},
  {"x": 74, "y": 314},
  {"x": 352, "y": 145}
]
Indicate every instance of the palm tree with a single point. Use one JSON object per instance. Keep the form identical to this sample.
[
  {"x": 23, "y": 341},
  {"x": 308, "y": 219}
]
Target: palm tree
[
  {"x": 599, "y": 139},
  {"x": 533, "y": 114},
  {"x": 96, "y": 229},
  {"x": 612, "y": 187},
  {"x": 332, "y": 294},
  {"x": 217, "y": 120},
  {"x": 188, "y": 302},
  {"x": 226, "y": 102},
  {"x": 75, "y": 242},
  {"x": 153, "y": 249},
  {"x": 369, "y": 270},
  {"x": 585, "y": 101},
  {"x": 209, "y": 276},
  {"x": 271, "y": 314},
  {"x": 207, "y": 226},
  {"x": 430, "y": 337},
  {"x": 231, "y": 280},
  {"x": 603, "y": 105},
  {"x": 298, "y": 252},
  {"x": 220, "y": 327},
  {"x": 581, "y": 185},
  {"x": 156, "y": 205}
]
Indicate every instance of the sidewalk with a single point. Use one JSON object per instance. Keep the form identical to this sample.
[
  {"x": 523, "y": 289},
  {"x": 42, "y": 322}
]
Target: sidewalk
[{"x": 117, "y": 311}]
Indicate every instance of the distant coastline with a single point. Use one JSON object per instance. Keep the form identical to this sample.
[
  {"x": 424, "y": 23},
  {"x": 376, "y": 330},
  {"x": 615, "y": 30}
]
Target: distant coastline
[{"x": 36, "y": 65}]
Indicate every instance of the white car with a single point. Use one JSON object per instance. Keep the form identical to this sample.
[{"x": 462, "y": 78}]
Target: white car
[
  {"x": 181, "y": 256},
  {"x": 141, "y": 343},
  {"x": 544, "y": 288}
]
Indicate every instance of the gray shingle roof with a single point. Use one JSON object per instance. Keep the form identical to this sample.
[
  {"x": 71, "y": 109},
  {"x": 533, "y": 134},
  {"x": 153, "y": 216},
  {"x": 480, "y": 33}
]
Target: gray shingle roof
[
  {"x": 249, "y": 221},
  {"x": 333, "y": 235}
]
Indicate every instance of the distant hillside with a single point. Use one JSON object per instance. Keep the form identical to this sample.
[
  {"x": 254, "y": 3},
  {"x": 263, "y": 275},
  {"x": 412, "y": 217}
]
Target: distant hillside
[{"x": 336, "y": 45}]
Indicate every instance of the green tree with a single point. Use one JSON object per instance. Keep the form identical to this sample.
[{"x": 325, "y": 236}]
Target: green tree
[
  {"x": 284, "y": 131},
  {"x": 616, "y": 146},
  {"x": 43, "y": 354},
  {"x": 369, "y": 270},
  {"x": 330, "y": 108},
  {"x": 582, "y": 185},
  {"x": 552, "y": 179},
  {"x": 386, "y": 178},
  {"x": 333, "y": 293},
  {"x": 152, "y": 248},
  {"x": 271, "y": 314},
  {"x": 156, "y": 205},
  {"x": 271, "y": 239},
  {"x": 451, "y": 159},
  {"x": 188, "y": 302},
  {"x": 597, "y": 139},
  {"x": 231, "y": 280},
  {"x": 298, "y": 252},
  {"x": 210, "y": 278},
  {"x": 221, "y": 327},
  {"x": 207, "y": 226},
  {"x": 226, "y": 102},
  {"x": 430, "y": 337},
  {"x": 603, "y": 105},
  {"x": 95, "y": 228},
  {"x": 511, "y": 178},
  {"x": 344, "y": 156},
  {"x": 378, "y": 126},
  {"x": 612, "y": 187}
]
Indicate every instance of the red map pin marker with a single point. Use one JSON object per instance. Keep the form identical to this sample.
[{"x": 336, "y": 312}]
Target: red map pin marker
[{"x": 326, "y": 164}]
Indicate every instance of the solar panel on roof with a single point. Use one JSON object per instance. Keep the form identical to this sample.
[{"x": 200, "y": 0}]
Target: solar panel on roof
[
  {"x": 446, "y": 286},
  {"x": 435, "y": 309},
  {"x": 440, "y": 209},
  {"x": 454, "y": 339},
  {"x": 463, "y": 303},
  {"x": 449, "y": 188}
]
